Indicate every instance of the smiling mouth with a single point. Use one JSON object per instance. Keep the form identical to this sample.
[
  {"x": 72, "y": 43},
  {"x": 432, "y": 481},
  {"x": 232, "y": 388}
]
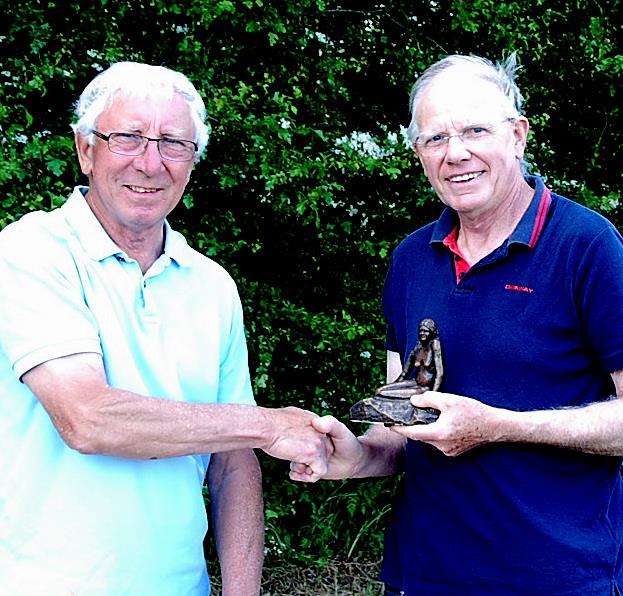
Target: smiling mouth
[
  {"x": 465, "y": 177},
  {"x": 141, "y": 189}
]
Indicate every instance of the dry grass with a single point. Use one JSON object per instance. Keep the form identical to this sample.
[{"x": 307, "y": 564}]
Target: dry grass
[{"x": 336, "y": 578}]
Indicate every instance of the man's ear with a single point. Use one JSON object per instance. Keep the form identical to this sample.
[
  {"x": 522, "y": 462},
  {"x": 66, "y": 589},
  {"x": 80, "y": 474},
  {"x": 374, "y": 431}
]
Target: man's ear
[
  {"x": 419, "y": 156},
  {"x": 85, "y": 153},
  {"x": 521, "y": 128}
]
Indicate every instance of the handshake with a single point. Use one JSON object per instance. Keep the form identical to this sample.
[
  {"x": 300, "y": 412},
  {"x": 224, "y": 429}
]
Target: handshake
[{"x": 325, "y": 448}]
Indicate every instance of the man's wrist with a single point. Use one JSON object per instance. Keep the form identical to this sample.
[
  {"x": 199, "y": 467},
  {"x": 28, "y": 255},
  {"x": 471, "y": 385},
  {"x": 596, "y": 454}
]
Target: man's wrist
[
  {"x": 361, "y": 464},
  {"x": 267, "y": 422}
]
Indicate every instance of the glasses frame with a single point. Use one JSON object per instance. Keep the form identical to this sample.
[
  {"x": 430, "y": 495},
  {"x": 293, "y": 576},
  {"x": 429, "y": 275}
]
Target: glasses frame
[
  {"x": 146, "y": 141},
  {"x": 445, "y": 138}
]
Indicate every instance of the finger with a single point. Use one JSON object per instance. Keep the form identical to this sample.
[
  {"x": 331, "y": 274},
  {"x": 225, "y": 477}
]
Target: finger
[
  {"x": 428, "y": 399},
  {"x": 416, "y": 432},
  {"x": 306, "y": 472},
  {"x": 301, "y": 472},
  {"x": 298, "y": 468},
  {"x": 303, "y": 477},
  {"x": 329, "y": 447},
  {"x": 318, "y": 466}
]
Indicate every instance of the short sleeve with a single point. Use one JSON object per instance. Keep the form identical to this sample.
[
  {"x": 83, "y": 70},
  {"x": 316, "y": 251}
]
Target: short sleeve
[
  {"x": 391, "y": 341},
  {"x": 44, "y": 314},
  {"x": 598, "y": 286},
  {"x": 234, "y": 380}
]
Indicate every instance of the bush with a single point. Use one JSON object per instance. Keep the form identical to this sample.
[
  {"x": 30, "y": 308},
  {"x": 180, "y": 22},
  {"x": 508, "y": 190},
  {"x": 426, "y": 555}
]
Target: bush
[{"x": 307, "y": 183}]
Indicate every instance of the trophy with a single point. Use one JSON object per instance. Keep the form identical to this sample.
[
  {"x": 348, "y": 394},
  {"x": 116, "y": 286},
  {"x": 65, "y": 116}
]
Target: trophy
[{"x": 423, "y": 371}]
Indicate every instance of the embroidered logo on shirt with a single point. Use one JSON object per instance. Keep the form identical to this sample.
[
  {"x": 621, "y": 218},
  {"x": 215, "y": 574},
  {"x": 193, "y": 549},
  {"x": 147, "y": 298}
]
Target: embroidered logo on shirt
[{"x": 515, "y": 288}]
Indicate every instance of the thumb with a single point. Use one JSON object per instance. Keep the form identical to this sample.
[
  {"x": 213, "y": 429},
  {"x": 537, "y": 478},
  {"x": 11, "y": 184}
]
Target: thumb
[
  {"x": 339, "y": 434},
  {"x": 329, "y": 425}
]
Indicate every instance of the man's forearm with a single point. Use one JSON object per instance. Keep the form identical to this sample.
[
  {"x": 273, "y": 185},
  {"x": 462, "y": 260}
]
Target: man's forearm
[
  {"x": 94, "y": 418},
  {"x": 234, "y": 481},
  {"x": 596, "y": 428},
  {"x": 153, "y": 428},
  {"x": 466, "y": 423},
  {"x": 382, "y": 454}
]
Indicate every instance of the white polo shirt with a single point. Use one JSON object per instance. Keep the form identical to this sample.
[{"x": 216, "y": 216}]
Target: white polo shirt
[{"x": 98, "y": 525}]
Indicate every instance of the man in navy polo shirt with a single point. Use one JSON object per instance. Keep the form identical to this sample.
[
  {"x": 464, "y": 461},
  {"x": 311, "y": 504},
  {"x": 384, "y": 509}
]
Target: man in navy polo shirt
[{"x": 516, "y": 488}]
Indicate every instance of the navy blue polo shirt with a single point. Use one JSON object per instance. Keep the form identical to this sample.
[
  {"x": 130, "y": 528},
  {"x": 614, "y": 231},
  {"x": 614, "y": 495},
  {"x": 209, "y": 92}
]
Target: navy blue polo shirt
[{"x": 536, "y": 324}]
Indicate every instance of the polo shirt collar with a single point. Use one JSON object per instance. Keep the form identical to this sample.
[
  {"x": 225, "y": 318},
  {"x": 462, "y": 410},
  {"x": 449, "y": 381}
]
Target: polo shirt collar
[
  {"x": 531, "y": 225},
  {"x": 176, "y": 247},
  {"x": 527, "y": 231},
  {"x": 99, "y": 245}
]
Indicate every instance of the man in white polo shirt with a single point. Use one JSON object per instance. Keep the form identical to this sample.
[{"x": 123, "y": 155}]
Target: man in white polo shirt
[{"x": 123, "y": 371}]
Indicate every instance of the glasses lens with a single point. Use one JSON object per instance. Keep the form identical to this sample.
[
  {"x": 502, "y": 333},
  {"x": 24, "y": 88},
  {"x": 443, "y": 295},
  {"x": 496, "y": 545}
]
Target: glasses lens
[
  {"x": 125, "y": 144},
  {"x": 176, "y": 150},
  {"x": 434, "y": 143}
]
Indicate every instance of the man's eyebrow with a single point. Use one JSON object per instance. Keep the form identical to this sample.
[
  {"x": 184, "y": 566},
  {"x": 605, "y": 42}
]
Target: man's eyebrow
[
  {"x": 177, "y": 132},
  {"x": 136, "y": 127}
]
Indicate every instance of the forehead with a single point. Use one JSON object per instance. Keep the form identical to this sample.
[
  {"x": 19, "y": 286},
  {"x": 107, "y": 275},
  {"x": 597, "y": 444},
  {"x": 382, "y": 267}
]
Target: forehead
[
  {"x": 459, "y": 96},
  {"x": 136, "y": 113}
]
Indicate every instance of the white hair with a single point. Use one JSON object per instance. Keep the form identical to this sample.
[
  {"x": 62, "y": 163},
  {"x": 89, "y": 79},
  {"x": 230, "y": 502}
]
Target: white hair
[
  {"x": 135, "y": 79},
  {"x": 502, "y": 75}
]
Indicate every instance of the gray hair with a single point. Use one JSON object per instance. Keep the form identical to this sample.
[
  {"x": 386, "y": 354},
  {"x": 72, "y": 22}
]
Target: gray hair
[
  {"x": 502, "y": 75},
  {"x": 134, "y": 79}
]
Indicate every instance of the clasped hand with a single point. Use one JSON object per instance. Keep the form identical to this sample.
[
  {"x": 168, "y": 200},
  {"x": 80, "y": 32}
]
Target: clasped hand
[
  {"x": 294, "y": 438},
  {"x": 464, "y": 423}
]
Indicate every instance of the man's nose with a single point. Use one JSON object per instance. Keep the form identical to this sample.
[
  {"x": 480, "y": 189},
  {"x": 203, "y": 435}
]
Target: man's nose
[
  {"x": 456, "y": 150},
  {"x": 150, "y": 160}
]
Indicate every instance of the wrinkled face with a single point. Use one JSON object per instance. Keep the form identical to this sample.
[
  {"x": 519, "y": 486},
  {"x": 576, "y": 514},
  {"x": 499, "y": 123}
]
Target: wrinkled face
[
  {"x": 473, "y": 175},
  {"x": 133, "y": 194}
]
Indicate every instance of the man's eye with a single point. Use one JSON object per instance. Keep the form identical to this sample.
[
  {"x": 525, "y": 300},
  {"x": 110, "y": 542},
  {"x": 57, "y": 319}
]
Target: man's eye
[
  {"x": 126, "y": 138},
  {"x": 476, "y": 131},
  {"x": 173, "y": 143},
  {"x": 435, "y": 139}
]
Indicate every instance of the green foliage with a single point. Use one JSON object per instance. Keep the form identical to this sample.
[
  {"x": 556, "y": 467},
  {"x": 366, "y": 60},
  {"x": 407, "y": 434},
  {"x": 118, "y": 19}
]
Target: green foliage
[
  {"x": 344, "y": 518},
  {"x": 307, "y": 183}
]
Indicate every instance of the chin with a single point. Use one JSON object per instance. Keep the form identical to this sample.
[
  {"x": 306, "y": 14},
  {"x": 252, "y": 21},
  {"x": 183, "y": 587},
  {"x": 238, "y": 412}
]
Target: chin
[{"x": 465, "y": 202}]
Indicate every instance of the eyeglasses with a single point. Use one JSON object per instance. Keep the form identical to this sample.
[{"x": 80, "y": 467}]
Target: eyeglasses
[
  {"x": 472, "y": 136},
  {"x": 124, "y": 143}
]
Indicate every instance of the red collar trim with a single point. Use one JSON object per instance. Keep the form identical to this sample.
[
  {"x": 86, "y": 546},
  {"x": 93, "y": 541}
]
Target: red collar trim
[
  {"x": 461, "y": 266},
  {"x": 539, "y": 221}
]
